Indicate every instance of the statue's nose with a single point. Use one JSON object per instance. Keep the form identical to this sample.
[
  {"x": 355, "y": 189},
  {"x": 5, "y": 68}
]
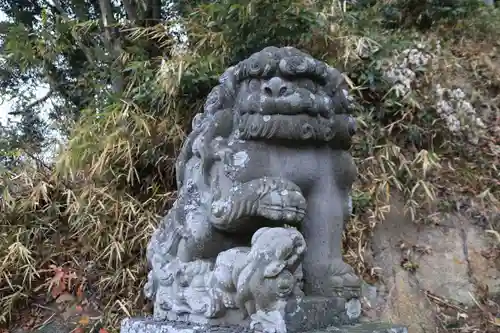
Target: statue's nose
[{"x": 275, "y": 87}]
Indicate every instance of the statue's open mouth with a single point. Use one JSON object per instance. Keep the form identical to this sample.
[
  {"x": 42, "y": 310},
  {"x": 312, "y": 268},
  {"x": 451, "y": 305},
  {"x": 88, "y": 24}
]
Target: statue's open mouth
[
  {"x": 298, "y": 103},
  {"x": 285, "y": 283},
  {"x": 283, "y": 293}
]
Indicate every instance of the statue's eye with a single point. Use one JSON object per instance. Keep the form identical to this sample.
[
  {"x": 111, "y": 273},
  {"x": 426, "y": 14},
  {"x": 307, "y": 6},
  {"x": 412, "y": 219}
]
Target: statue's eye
[
  {"x": 254, "y": 85},
  {"x": 307, "y": 84}
]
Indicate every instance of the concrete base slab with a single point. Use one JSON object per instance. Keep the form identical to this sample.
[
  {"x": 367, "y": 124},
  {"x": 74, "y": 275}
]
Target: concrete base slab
[
  {"x": 300, "y": 314},
  {"x": 149, "y": 325}
]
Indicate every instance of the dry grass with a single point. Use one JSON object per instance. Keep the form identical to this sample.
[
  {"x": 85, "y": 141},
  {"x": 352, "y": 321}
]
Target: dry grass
[{"x": 93, "y": 212}]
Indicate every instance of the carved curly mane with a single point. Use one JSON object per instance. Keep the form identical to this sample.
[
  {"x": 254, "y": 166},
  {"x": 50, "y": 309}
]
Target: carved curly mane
[{"x": 221, "y": 101}]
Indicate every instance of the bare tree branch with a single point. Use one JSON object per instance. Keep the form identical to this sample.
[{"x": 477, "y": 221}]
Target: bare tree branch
[
  {"x": 157, "y": 11},
  {"x": 112, "y": 40},
  {"x": 79, "y": 10},
  {"x": 86, "y": 51},
  {"x": 154, "y": 11},
  {"x": 40, "y": 100},
  {"x": 33, "y": 104}
]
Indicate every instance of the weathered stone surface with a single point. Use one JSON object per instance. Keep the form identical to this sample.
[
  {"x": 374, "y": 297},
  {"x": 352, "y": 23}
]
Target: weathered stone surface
[
  {"x": 445, "y": 270},
  {"x": 368, "y": 328},
  {"x": 456, "y": 260},
  {"x": 483, "y": 259},
  {"x": 399, "y": 300},
  {"x": 149, "y": 325},
  {"x": 299, "y": 315},
  {"x": 449, "y": 258},
  {"x": 269, "y": 150},
  {"x": 313, "y": 313}
]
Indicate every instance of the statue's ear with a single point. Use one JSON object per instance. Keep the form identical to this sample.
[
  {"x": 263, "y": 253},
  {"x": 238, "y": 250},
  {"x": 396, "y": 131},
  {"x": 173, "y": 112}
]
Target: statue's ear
[
  {"x": 258, "y": 233},
  {"x": 274, "y": 268}
]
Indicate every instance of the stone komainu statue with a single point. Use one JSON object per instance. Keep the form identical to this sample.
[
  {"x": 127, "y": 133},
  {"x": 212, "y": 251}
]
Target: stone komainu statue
[{"x": 270, "y": 149}]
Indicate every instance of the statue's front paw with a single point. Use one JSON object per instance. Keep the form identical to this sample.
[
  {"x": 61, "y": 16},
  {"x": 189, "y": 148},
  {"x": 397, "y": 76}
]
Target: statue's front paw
[
  {"x": 344, "y": 281},
  {"x": 283, "y": 202},
  {"x": 272, "y": 198}
]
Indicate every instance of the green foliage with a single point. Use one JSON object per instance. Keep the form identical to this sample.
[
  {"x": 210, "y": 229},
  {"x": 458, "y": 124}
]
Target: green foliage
[
  {"x": 9, "y": 155},
  {"x": 287, "y": 23},
  {"x": 125, "y": 97},
  {"x": 225, "y": 32},
  {"x": 424, "y": 14}
]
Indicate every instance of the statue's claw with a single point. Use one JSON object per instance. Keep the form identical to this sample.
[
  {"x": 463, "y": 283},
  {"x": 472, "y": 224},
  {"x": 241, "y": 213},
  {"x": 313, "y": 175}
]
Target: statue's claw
[
  {"x": 285, "y": 203},
  {"x": 228, "y": 301},
  {"x": 275, "y": 199},
  {"x": 344, "y": 281}
]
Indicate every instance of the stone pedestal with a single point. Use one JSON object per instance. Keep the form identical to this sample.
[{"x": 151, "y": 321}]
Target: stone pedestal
[
  {"x": 149, "y": 325},
  {"x": 300, "y": 315},
  {"x": 313, "y": 313}
]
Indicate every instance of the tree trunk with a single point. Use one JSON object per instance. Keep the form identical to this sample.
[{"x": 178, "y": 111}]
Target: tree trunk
[{"x": 112, "y": 42}]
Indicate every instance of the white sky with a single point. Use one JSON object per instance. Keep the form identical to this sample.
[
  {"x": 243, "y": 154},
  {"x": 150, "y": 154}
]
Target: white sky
[
  {"x": 5, "y": 104},
  {"x": 5, "y": 108}
]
